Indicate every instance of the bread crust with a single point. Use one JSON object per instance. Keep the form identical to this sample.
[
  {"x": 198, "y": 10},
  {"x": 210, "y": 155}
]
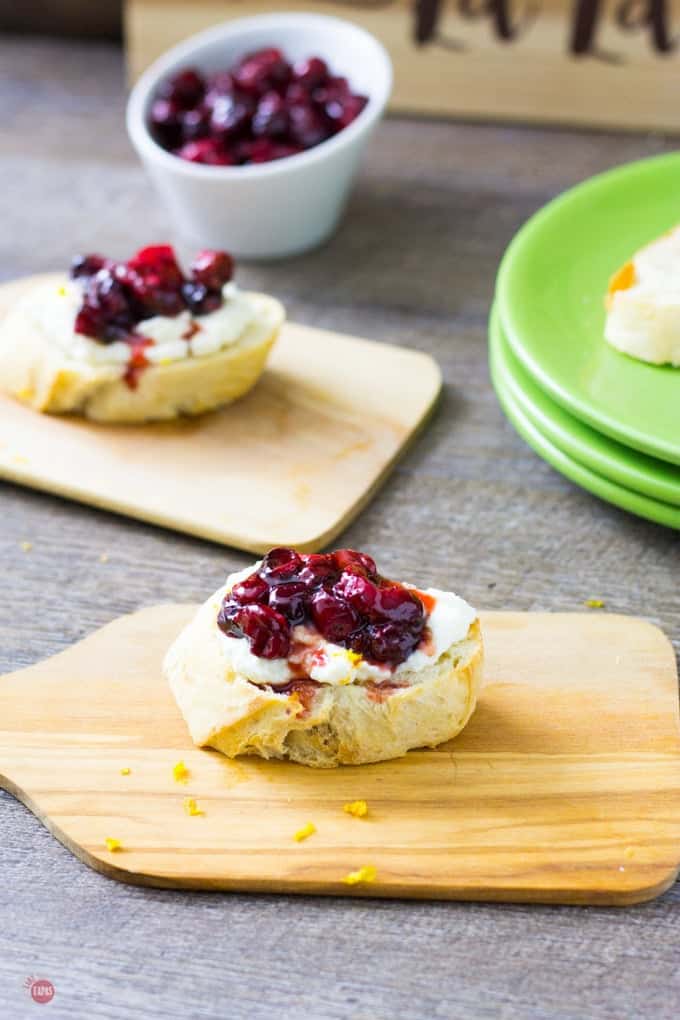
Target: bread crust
[
  {"x": 344, "y": 724},
  {"x": 40, "y": 374}
]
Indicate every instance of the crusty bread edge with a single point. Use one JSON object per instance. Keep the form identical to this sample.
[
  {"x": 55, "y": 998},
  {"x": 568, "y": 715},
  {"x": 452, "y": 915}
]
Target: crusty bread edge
[
  {"x": 343, "y": 727},
  {"x": 38, "y": 374}
]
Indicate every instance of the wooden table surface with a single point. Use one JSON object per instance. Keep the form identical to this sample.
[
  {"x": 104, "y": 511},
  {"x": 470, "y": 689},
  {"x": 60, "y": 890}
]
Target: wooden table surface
[{"x": 470, "y": 507}]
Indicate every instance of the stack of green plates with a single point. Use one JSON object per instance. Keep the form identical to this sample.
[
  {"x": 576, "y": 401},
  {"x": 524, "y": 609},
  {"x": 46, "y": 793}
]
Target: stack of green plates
[{"x": 606, "y": 421}]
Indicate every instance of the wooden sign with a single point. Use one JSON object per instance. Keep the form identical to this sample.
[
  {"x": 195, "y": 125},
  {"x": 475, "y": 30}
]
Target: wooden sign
[{"x": 600, "y": 62}]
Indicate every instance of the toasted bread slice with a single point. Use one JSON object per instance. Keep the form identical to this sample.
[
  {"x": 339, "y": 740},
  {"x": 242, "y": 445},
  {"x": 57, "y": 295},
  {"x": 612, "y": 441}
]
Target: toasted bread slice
[
  {"x": 331, "y": 725},
  {"x": 40, "y": 374}
]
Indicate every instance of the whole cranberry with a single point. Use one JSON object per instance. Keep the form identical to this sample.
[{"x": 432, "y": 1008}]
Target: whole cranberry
[
  {"x": 251, "y": 589},
  {"x": 387, "y": 642},
  {"x": 89, "y": 321},
  {"x": 359, "y": 592},
  {"x": 271, "y": 116},
  {"x": 212, "y": 268},
  {"x": 195, "y": 123},
  {"x": 157, "y": 265},
  {"x": 355, "y": 562},
  {"x": 155, "y": 279},
  {"x": 296, "y": 93},
  {"x": 165, "y": 122},
  {"x": 267, "y": 631},
  {"x": 200, "y": 300},
  {"x": 280, "y": 564},
  {"x": 205, "y": 150},
  {"x": 104, "y": 291},
  {"x": 185, "y": 88},
  {"x": 159, "y": 301},
  {"x": 231, "y": 115},
  {"x": 86, "y": 265},
  {"x": 290, "y": 599},
  {"x": 399, "y": 605},
  {"x": 333, "y": 617},
  {"x": 220, "y": 84},
  {"x": 341, "y": 112},
  {"x": 311, "y": 73},
  {"x": 261, "y": 71},
  {"x": 317, "y": 569},
  {"x": 307, "y": 126}
]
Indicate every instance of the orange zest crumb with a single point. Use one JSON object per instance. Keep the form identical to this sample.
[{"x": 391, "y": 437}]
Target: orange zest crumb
[
  {"x": 26, "y": 546},
  {"x": 366, "y": 874},
  {"x": 113, "y": 845},
  {"x": 358, "y": 808},
  {"x": 180, "y": 772},
  {"x": 623, "y": 279},
  {"x": 191, "y": 807},
  {"x": 125, "y": 771},
  {"x": 307, "y": 830},
  {"x": 594, "y": 603}
]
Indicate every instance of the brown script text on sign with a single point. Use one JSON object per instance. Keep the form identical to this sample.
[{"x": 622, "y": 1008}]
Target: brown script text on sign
[{"x": 592, "y": 62}]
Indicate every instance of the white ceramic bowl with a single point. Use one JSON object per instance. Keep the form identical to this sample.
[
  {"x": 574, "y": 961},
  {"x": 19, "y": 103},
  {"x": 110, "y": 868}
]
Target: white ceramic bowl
[{"x": 270, "y": 209}]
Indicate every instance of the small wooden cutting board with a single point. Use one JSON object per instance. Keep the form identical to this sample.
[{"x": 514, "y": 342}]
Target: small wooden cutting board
[
  {"x": 291, "y": 463},
  {"x": 564, "y": 787}
]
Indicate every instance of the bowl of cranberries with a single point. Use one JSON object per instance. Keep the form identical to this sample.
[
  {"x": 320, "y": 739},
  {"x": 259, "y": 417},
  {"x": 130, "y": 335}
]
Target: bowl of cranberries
[{"x": 252, "y": 131}]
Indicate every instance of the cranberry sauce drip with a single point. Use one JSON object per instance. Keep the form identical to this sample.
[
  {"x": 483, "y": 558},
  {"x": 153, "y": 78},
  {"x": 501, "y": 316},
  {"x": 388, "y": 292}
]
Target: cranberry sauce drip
[
  {"x": 118, "y": 295},
  {"x": 263, "y": 108},
  {"x": 340, "y": 594}
]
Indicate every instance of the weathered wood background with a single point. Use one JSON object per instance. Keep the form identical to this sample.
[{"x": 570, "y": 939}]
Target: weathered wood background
[{"x": 471, "y": 506}]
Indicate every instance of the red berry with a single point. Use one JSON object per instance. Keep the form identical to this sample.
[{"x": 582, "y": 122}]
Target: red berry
[
  {"x": 355, "y": 562},
  {"x": 307, "y": 127},
  {"x": 271, "y": 117},
  {"x": 195, "y": 123},
  {"x": 341, "y": 112},
  {"x": 89, "y": 322},
  {"x": 185, "y": 88},
  {"x": 317, "y": 569},
  {"x": 290, "y": 599},
  {"x": 205, "y": 150},
  {"x": 361, "y": 593},
  {"x": 266, "y": 69},
  {"x": 280, "y": 564},
  {"x": 399, "y": 605},
  {"x": 164, "y": 120},
  {"x": 333, "y": 617},
  {"x": 199, "y": 300},
  {"x": 212, "y": 269},
  {"x": 156, "y": 279},
  {"x": 311, "y": 73},
  {"x": 267, "y": 631},
  {"x": 387, "y": 642},
  {"x": 251, "y": 589},
  {"x": 231, "y": 115},
  {"x": 86, "y": 265}
]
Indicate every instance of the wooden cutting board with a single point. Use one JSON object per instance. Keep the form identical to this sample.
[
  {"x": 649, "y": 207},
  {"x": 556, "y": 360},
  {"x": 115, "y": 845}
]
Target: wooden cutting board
[
  {"x": 292, "y": 463},
  {"x": 564, "y": 787}
]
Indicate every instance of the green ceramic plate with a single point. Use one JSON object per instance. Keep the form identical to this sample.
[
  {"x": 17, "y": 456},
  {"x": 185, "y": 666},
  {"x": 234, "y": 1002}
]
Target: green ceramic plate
[
  {"x": 551, "y": 287},
  {"x": 618, "y": 495},
  {"x": 628, "y": 467}
]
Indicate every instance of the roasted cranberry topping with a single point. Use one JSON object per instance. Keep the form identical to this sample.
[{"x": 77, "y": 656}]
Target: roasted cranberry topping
[
  {"x": 341, "y": 595},
  {"x": 119, "y": 295},
  {"x": 263, "y": 108}
]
